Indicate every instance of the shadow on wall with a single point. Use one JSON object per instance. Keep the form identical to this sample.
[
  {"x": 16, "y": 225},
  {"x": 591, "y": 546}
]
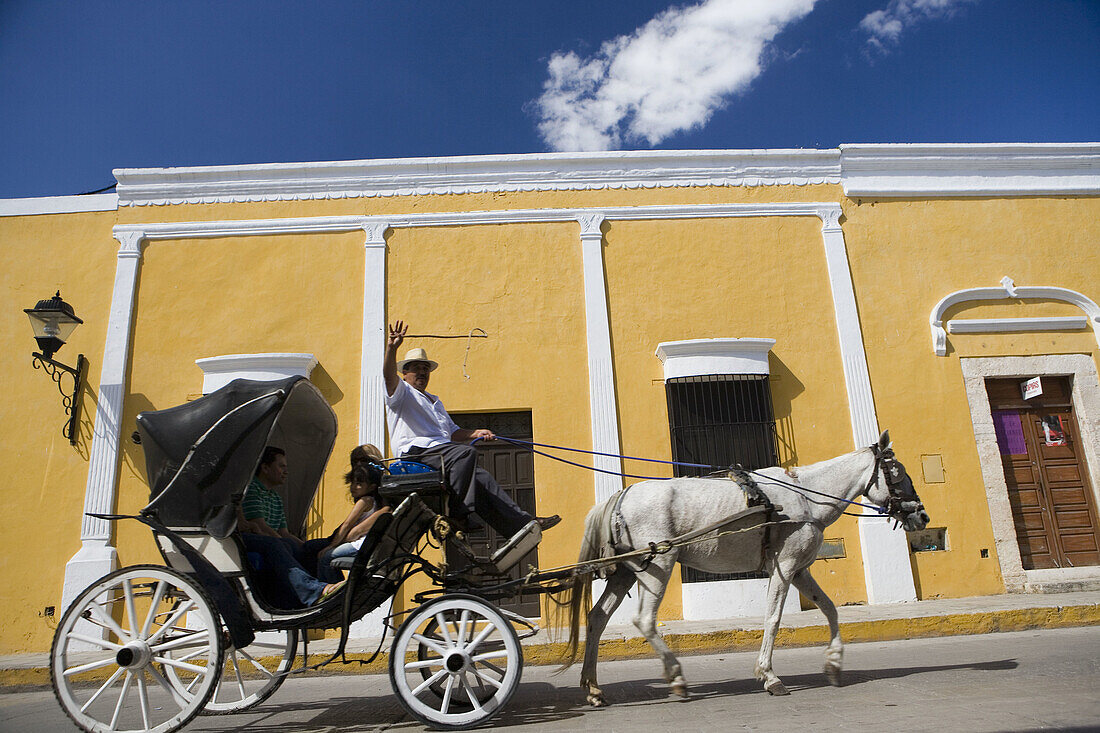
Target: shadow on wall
[
  {"x": 785, "y": 387},
  {"x": 89, "y": 406},
  {"x": 324, "y": 382},
  {"x": 133, "y": 458},
  {"x": 333, "y": 394}
]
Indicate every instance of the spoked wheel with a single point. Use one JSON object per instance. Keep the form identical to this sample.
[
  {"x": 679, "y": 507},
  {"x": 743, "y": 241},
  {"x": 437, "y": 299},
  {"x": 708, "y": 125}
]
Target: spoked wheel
[
  {"x": 117, "y": 640},
  {"x": 250, "y": 675},
  {"x": 455, "y": 662}
]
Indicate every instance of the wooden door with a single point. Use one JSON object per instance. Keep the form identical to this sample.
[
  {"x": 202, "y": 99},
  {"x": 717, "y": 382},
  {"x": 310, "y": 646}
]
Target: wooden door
[
  {"x": 1048, "y": 487},
  {"x": 514, "y": 469}
]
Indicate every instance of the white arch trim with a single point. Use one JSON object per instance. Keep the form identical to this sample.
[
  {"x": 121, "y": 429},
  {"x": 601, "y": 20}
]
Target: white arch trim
[{"x": 1009, "y": 289}]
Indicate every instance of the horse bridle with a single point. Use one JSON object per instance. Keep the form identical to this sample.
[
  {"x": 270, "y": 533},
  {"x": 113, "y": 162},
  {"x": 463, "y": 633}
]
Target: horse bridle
[{"x": 897, "y": 504}]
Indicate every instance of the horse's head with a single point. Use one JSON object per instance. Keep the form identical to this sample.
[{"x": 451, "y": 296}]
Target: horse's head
[{"x": 891, "y": 488}]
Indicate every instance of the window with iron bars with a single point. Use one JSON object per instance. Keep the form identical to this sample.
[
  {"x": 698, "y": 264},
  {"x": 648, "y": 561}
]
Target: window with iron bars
[{"x": 721, "y": 420}]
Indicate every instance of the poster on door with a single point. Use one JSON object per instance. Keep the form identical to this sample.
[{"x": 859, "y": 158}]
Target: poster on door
[
  {"x": 1010, "y": 432},
  {"x": 1054, "y": 432}
]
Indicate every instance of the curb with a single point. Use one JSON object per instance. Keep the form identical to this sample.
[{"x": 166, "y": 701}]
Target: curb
[{"x": 729, "y": 640}]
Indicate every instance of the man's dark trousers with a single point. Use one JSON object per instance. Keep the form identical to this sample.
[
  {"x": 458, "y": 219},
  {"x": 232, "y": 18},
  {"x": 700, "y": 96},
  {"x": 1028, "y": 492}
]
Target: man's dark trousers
[{"x": 475, "y": 487}]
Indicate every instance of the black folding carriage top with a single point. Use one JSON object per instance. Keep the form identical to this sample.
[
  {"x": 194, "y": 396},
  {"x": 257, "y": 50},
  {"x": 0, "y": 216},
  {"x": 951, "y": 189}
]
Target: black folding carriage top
[{"x": 201, "y": 455}]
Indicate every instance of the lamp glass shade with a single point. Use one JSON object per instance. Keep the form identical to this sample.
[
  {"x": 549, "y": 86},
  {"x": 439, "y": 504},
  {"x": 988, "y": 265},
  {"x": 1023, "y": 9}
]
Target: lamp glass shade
[{"x": 53, "y": 321}]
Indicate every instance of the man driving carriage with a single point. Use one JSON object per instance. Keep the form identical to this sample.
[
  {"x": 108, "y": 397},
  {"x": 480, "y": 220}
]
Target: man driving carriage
[{"x": 422, "y": 430}]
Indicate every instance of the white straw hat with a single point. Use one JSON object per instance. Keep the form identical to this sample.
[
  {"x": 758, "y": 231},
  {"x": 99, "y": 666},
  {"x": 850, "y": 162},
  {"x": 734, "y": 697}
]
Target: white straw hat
[{"x": 417, "y": 355}]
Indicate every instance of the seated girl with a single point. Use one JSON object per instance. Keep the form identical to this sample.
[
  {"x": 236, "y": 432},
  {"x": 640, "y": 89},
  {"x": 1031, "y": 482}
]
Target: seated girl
[{"x": 362, "y": 480}]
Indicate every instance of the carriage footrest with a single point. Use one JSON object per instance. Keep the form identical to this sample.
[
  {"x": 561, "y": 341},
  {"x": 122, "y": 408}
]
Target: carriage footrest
[{"x": 520, "y": 544}]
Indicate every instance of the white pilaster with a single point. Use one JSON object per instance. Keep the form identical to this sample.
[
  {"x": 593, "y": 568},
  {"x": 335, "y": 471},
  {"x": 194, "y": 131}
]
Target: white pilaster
[
  {"x": 886, "y": 568},
  {"x": 601, "y": 376},
  {"x": 97, "y": 556},
  {"x": 372, "y": 388}
]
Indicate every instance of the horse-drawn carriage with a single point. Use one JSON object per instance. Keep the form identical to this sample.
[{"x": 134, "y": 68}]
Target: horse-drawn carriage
[{"x": 148, "y": 647}]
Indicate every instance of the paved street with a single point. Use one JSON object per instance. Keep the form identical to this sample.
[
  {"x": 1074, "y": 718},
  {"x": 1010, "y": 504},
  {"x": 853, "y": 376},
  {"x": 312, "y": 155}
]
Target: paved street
[{"x": 1018, "y": 681}]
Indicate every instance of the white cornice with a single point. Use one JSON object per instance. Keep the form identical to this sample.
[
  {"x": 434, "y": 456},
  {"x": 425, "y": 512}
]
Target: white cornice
[
  {"x": 218, "y": 371},
  {"x": 475, "y": 174},
  {"x": 990, "y": 169},
  {"x": 700, "y": 357},
  {"x": 58, "y": 205}
]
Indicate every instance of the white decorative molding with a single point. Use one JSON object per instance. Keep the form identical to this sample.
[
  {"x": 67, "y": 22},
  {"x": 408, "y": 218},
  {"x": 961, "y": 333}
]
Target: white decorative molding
[
  {"x": 218, "y": 371},
  {"x": 830, "y": 218},
  {"x": 97, "y": 555},
  {"x": 1009, "y": 290},
  {"x": 601, "y": 372},
  {"x": 988, "y": 169},
  {"x": 58, "y": 205},
  {"x": 475, "y": 174},
  {"x": 1006, "y": 325},
  {"x": 372, "y": 386},
  {"x": 591, "y": 224},
  {"x": 700, "y": 357},
  {"x": 1086, "y": 402},
  {"x": 336, "y": 224}
]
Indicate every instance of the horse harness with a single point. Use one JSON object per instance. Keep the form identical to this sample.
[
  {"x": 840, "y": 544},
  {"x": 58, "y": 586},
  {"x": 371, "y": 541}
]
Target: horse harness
[
  {"x": 902, "y": 496},
  {"x": 620, "y": 541}
]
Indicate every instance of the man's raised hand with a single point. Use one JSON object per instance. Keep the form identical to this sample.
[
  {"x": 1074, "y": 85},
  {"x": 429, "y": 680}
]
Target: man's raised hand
[{"x": 397, "y": 334}]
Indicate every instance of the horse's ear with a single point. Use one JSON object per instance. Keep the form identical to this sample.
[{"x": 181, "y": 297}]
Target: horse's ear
[{"x": 884, "y": 440}]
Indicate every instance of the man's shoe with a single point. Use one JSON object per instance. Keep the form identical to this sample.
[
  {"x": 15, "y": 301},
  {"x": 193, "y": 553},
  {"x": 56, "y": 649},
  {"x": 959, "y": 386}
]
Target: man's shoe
[{"x": 546, "y": 523}]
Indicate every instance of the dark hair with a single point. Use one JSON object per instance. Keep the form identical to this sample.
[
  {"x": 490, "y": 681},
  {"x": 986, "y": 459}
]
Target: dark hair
[
  {"x": 367, "y": 472},
  {"x": 269, "y": 454},
  {"x": 365, "y": 453}
]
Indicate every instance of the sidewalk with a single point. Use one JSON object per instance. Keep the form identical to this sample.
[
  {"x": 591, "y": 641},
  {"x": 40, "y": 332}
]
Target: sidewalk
[{"x": 939, "y": 617}]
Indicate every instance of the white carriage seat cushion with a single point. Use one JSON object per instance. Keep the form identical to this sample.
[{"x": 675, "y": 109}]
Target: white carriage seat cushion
[{"x": 225, "y": 555}]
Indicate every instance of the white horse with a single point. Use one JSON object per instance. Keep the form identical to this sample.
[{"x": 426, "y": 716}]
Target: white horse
[{"x": 807, "y": 500}]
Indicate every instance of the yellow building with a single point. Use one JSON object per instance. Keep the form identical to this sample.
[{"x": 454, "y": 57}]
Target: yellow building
[{"x": 805, "y": 299}]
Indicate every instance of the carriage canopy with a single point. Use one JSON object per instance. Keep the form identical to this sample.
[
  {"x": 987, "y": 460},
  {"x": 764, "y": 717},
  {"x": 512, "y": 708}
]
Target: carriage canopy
[{"x": 200, "y": 456}]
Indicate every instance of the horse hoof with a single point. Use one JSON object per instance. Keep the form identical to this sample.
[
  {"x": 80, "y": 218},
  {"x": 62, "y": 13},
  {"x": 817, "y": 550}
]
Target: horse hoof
[
  {"x": 832, "y": 675},
  {"x": 597, "y": 701},
  {"x": 776, "y": 688},
  {"x": 679, "y": 687}
]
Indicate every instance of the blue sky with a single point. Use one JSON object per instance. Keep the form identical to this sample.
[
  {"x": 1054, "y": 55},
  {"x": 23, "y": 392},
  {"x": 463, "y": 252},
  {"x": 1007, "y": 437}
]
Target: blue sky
[{"x": 86, "y": 87}]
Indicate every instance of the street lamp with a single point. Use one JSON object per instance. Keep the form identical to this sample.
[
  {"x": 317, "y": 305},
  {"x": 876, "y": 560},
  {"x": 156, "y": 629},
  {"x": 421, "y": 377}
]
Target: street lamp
[{"x": 53, "y": 321}]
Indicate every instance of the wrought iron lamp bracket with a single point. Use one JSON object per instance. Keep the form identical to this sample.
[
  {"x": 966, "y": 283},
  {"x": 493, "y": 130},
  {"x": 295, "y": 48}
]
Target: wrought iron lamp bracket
[{"x": 69, "y": 400}]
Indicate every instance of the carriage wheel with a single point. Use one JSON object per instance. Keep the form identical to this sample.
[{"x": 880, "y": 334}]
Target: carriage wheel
[
  {"x": 250, "y": 675},
  {"x": 455, "y": 662},
  {"x": 115, "y": 643}
]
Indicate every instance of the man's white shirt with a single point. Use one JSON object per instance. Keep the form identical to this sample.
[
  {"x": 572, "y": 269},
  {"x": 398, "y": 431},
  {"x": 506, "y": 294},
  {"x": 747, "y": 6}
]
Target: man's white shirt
[{"x": 416, "y": 419}]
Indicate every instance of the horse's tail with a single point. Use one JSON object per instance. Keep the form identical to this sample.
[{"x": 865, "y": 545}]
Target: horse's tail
[{"x": 576, "y": 599}]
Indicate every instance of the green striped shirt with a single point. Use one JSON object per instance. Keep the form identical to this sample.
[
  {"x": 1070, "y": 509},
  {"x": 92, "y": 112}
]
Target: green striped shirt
[{"x": 262, "y": 502}]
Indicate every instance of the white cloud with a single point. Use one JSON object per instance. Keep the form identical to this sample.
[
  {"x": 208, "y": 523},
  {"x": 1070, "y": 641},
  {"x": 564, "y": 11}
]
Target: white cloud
[
  {"x": 884, "y": 27},
  {"x": 670, "y": 75}
]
